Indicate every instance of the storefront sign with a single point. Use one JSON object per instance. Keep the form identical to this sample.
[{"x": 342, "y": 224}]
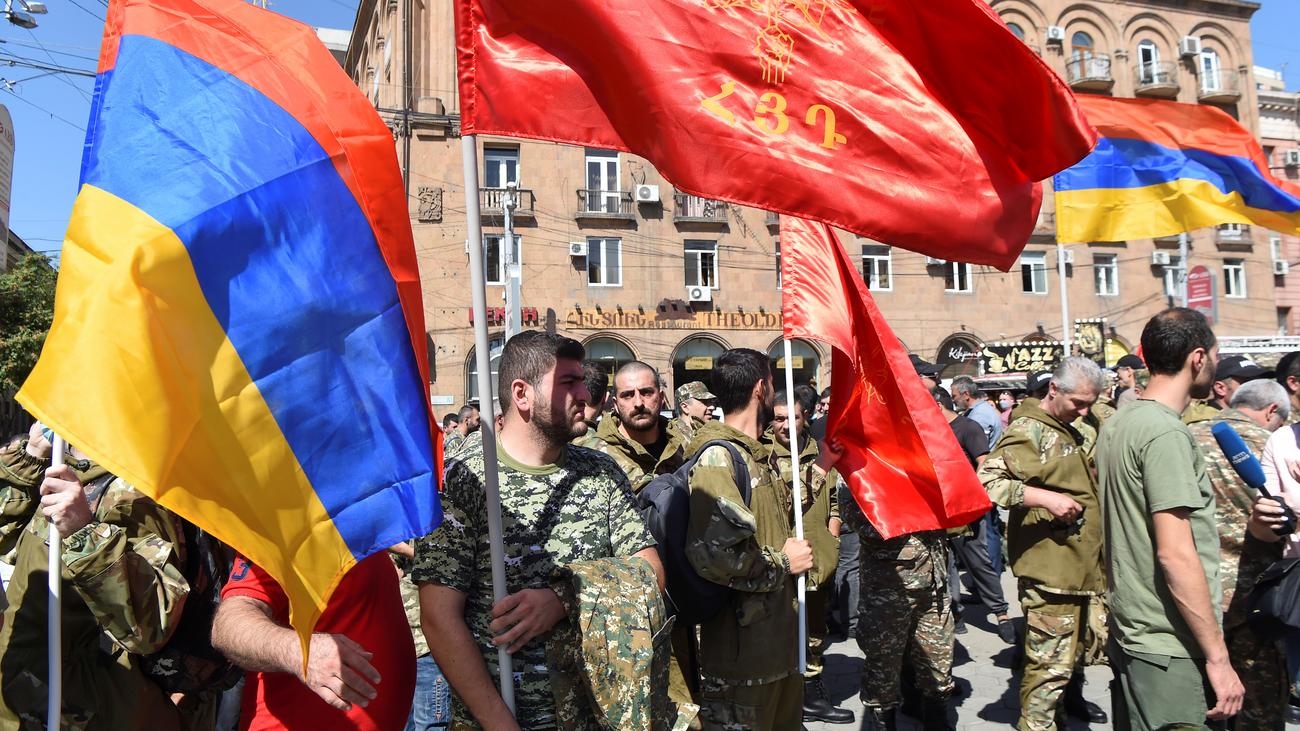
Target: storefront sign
[
  {"x": 998, "y": 358},
  {"x": 1200, "y": 292},
  {"x": 796, "y": 362},
  {"x": 1090, "y": 337},
  {"x": 679, "y": 320},
  {"x": 699, "y": 363},
  {"x": 496, "y": 316}
]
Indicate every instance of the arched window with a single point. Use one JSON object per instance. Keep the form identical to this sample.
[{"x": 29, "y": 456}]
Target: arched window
[
  {"x": 1148, "y": 58},
  {"x": 1081, "y": 45},
  {"x": 1016, "y": 30},
  {"x": 807, "y": 364},
  {"x": 693, "y": 360},
  {"x": 471, "y": 369},
  {"x": 611, "y": 352}
]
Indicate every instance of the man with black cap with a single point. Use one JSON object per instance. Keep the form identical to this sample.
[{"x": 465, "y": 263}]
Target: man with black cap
[
  {"x": 1230, "y": 372},
  {"x": 1124, "y": 373}
]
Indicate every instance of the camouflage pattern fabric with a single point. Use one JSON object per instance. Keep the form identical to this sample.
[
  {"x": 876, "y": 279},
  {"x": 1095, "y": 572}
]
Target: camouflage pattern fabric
[
  {"x": 590, "y": 440},
  {"x": 693, "y": 390},
  {"x": 411, "y": 602},
  {"x": 578, "y": 509},
  {"x": 751, "y": 641},
  {"x": 637, "y": 462},
  {"x": 687, "y": 426},
  {"x": 1259, "y": 661},
  {"x": 123, "y": 595},
  {"x": 819, "y": 504},
  {"x": 774, "y": 706},
  {"x": 1062, "y": 634},
  {"x": 20, "y": 481},
  {"x": 616, "y": 668},
  {"x": 904, "y": 612},
  {"x": 1199, "y": 411},
  {"x": 451, "y": 443}
]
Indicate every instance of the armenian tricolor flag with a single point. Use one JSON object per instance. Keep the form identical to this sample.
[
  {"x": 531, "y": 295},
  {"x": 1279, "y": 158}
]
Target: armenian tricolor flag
[
  {"x": 238, "y": 327},
  {"x": 1161, "y": 168}
]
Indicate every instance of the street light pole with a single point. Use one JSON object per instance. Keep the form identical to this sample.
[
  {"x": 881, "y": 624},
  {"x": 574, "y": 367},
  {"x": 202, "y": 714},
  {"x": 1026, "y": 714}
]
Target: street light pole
[{"x": 514, "y": 272}]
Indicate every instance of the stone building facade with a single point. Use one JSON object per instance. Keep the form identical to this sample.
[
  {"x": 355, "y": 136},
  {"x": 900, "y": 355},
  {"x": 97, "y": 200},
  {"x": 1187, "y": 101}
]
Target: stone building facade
[
  {"x": 1279, "y": 131},
  {"x": 612, "y": 255}
]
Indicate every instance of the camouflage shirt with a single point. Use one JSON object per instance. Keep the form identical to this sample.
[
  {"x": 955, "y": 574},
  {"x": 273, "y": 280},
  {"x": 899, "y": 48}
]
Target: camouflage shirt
[
  {"x": 1242, "y": 556},
  {"x": 637, "y": 462},
  {"x": 820, "y": 503},
  {"x": 410, "y": 602},
  {"x": 123, "y": 595},
  {"x": 578, "y": 509}
]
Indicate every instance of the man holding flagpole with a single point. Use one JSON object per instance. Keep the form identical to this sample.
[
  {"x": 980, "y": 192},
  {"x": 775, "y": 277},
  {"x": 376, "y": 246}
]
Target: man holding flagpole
[{"x": 560, "y": 503}]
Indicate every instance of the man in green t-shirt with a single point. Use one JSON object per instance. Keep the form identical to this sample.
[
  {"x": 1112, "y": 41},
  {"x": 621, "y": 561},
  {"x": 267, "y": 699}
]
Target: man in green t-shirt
[{"x": 1162, "y": 547}]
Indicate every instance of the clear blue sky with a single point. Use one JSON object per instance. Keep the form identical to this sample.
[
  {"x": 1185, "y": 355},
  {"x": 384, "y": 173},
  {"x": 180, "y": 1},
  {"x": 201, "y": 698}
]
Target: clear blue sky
[{"x": 48, "y": 155}]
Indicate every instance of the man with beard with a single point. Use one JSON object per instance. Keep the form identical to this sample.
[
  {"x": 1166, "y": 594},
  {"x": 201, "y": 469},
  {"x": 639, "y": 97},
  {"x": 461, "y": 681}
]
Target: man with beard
[
  {"x": 559, "y": 504},
  {"x": 821, "y": 525},
  {"x": 748, "y": 665},
  {"x": 641, "y": 441},
  {"x": 1162, "y": 546},
  {"x": 596, "y": 376},
  {"x": 460, "y": 436}
]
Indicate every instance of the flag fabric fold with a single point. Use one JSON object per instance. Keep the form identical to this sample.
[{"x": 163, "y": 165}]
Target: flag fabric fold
[
  {"x": 1162, "y": 168},
  {"x": 843, "y": 111},
  {"x": 238, "y": 329},
  {"x": 901, "y": 459}
]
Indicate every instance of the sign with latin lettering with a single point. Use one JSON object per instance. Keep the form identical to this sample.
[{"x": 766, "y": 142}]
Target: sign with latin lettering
[{"x": 1024, "y": 357}]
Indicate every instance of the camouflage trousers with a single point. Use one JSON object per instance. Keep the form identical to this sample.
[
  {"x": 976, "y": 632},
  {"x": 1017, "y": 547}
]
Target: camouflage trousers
[
  {"x": 1062, "y": 634},
  {"x": 815, "y": 602},
  {"x": 904, "y": 614},
  {"x": 1260, "y": 663},
  {"x": 774, "y": 706}
]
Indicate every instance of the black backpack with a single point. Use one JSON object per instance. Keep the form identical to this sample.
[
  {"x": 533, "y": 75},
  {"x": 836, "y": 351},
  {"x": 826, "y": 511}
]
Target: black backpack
[
  {"x": 666, "y": 505},
  {"x": 189, "y": 663}
]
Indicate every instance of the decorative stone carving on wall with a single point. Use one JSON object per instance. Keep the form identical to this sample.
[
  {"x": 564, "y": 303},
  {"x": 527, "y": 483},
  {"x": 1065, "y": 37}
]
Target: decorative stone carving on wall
[{"x": 430, "y": 209}]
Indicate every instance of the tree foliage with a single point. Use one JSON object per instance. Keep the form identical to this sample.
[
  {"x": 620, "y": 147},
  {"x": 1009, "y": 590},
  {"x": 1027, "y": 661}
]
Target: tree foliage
[{"x": 26, "y": 312}]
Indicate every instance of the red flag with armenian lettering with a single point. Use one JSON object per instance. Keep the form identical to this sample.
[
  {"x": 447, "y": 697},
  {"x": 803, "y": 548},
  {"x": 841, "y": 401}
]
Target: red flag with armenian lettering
[
  {"x": 901, "y": 459},
  {"x": 238, "y": 330},
  {"x": 921, "y": 123}
]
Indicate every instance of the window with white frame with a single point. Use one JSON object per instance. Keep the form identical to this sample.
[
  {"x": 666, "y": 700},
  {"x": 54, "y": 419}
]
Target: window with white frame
[
  {"x": 1173, "y": 276},
  {"x": 1105, "y": 269},
  {"x": 1275, "y": 247},
  {"x": 1148, "y": 63},
  {"x": 495, "y": 257},
  {"x": 701, "y": 262},
  {"x": 1234, "y": 277},
  {"x": 603, "y": 181},
  {"x": 877, "y": 267},
  {"x": 1033, "y": 272},
  {"x": 778, "y": 263},
  {"x": 957, "y": 277},
  {"x": 500, "y": 166},
  {"x": 604, "y": 262}
]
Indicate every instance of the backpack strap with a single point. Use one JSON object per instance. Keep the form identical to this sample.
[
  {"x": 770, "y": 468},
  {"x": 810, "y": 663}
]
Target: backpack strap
[{"x": 739, "y": 469}]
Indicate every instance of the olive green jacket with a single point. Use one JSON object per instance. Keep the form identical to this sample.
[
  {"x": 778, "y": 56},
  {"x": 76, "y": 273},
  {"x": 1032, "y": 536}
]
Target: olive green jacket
[
  {"x": 637, "y": 463},
  {"x": 1038, "y": 450},
  {"x": 752, "y": 640},
  {"x": 819, "y": 504},
  {"x": 123, "y": 592}
]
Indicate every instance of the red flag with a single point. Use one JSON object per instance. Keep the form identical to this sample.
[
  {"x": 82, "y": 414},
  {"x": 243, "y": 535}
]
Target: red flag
[
  {"x": 901, "y": 460},
  {"x": 923, "y": 123}
]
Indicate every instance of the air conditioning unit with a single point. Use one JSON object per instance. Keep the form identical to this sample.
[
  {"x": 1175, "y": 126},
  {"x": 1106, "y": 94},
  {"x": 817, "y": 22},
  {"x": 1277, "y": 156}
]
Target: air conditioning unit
[
  {"x": 647, "y": 194},
  {"x": 578, "y": 248},
  {"x": 1068, "y": 257},
  {"x": 934, "y": 261},
  {"x": 1189, "y": 46},
  {"x": 1280, "y": 267},
  {"x": 699, "y": 294},
  {"x": 1055, "y": 34},
  {"x": 1291, "y": 158},
  {"x": 1160, "y": 258}
]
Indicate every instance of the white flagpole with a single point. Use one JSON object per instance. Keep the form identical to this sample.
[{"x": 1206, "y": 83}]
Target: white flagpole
[
  {"x": 796, "y": 489},
  {"x": 487, "y": 422},
  {"x": 54, "y": 709}
]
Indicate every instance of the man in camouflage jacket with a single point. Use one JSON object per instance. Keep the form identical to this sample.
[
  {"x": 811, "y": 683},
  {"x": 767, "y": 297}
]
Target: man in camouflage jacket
[
  {"x": 694, "y": 407},
  {"x": 123, "y": 556},
  {"x": 748, "y": 663},
  {"x": 1042, "y": 471},
  {"x": 821, "y": 525},
  {"x": 641, "y": 441},
  {"x": 1256, "y": 410}
]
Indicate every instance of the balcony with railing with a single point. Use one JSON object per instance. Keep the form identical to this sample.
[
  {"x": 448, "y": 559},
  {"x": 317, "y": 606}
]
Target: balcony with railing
[
  {"x": 606, "y": 204},
  {"x": 689, "y": 208},
  {"x": 1159, "y": 79},
  {"x": 1218, "y": 87},
  {"x": 1089, "y": 73},
  {"x": 492, "y": 202},
  {"x": 1232, "y": 234},
  {"x": 773, "y": 220}
]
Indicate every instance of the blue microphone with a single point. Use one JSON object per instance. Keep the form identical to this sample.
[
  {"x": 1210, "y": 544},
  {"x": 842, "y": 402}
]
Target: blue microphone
[{"x": 1249, "y": 470}]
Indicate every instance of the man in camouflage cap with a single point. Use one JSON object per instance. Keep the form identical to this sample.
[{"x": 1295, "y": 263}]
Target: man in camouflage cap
[
  {"x": 560, "y": 504},
  {"x": 1042, "y": 472},
  {"x": 694, "y": 407},
  {"x": 1256, "y": 410},
  {"x": 821, "y": 525},
  {"x": 123, "y": 557},
  {"x": 748, "y": 664}
]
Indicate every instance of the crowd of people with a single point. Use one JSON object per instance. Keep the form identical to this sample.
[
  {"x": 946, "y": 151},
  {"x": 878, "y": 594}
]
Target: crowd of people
[{"x": 1133, "y": 540}]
